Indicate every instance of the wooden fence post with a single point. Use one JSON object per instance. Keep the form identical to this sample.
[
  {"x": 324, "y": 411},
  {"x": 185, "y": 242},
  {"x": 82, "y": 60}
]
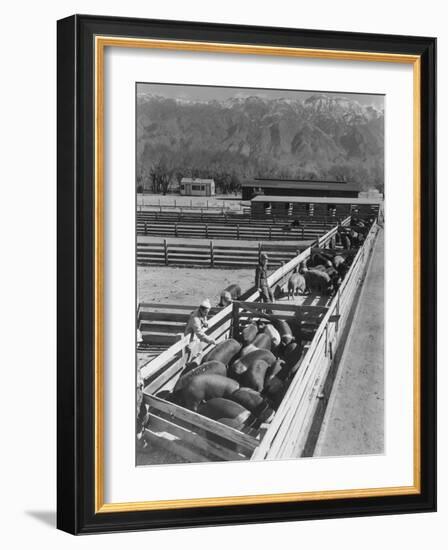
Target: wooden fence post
[
  {"x": 206, "y": 231},
  {"x": 146, "y": 228},
  {"x": 337, "y": 310},
  {"x": 303, "y": 232},
  {"x": 175, "y": 229},
  {"x": 165, "y": 248},
  {"x": 212, "y": 255},
  {"x": 235, "y": 320},
  {"x": 270, "y": 232},
  {"x": 237, "y": 230}
]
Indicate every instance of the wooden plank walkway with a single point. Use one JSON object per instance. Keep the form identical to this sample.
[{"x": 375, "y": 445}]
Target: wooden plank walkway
[{"x": 354, "y": 420}]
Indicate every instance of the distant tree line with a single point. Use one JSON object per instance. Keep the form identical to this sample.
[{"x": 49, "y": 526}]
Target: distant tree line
[{"x": 162, "y": 172}]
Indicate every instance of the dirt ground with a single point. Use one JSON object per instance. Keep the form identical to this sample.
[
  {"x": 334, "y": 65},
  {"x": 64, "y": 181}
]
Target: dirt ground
[{"x": 188, "y": 286}]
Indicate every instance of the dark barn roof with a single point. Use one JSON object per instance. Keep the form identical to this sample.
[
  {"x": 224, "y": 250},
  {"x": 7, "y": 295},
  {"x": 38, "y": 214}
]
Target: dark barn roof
[
  {"x": 317, "y": 200},
  {"x": 320, "y": 186}
]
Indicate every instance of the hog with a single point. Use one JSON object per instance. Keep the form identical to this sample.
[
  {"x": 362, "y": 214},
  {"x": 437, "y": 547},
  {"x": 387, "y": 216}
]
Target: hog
[
  {"x": 232, "y": 292},
  {"x": 206, "y": 386},
  {"x": 332, "y": 272},
  {"x": 224, "y": 351},
  {"x": 210, "y": 367},
  {"x": 341, "y": 265},
  {"x": 296, "y": 285},
  {"x": 240, "y": 366},
  {"x": 253, "y": 402},
  {"x": 273, "y": 333},
  {"x": 262, "y": 341},
  {"x": 255, "y": 374},
  {"x": 249, "y": 333},
  {"x": 318, "y": 281}
]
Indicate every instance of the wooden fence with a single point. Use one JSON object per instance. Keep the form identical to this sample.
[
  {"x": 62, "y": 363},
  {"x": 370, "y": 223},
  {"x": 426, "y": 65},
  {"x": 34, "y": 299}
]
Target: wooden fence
[
  {"x": 294, "y": 425},
  {"x": 229, "y": 232},
  {"x": 305, "y": 401},
  {"x": 163, "y": 324},
  {"x": 230, "y": 217},
  {"x": 231, "y": 228},
  {"x": 192, "y": 205},
  {"x": 211, "y": 254},
  {"x": 220, "y": 322}
]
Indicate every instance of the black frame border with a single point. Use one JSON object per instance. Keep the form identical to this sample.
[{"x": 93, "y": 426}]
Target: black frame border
[{"x": 76, "y": 262}]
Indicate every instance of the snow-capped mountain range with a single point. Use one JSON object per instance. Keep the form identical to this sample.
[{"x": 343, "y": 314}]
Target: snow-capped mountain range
[{"x": 320, "y": 137}]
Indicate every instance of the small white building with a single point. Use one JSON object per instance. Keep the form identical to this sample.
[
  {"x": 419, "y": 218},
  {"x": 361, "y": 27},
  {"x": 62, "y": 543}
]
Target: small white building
[{"x": 197, "y": 186}]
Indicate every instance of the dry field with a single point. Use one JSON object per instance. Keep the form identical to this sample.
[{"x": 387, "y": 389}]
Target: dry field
[{"x": 188, "y": 285}]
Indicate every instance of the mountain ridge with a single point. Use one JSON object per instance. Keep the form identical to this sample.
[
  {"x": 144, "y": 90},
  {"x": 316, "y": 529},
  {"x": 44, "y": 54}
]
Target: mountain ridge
[{"x": 321, "y": 137}]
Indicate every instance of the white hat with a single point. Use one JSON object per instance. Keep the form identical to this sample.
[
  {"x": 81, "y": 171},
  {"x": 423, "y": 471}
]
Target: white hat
[{"x": 206, "y": 304}]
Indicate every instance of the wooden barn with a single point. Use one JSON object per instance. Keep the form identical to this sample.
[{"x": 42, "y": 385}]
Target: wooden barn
[
  {"x": 197, "y": 186},
  {"x": 298, "y": 188},
  {"x": 300, "y": 207}
]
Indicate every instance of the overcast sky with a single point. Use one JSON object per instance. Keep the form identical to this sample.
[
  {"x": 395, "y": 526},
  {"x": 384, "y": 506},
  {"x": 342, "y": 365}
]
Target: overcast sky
[{"x": 206, "y": 93}]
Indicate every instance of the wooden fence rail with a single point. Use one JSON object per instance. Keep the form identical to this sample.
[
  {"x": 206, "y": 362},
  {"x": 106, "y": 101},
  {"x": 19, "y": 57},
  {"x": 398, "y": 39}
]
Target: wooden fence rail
[
  {"x": 212, "y": 254},
  {"x": 230, "y": 218},
  {"x": 186, "y": 204},
  {"x": 236, "y": 232}
]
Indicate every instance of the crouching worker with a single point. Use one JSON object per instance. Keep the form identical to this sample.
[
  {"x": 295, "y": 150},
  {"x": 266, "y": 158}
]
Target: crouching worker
[{"x": 195, "y": 329}]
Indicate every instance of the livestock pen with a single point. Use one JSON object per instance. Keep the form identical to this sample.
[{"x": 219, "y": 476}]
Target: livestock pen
[
  {"x": 239, "y": 227},
  {"x": 212, "y": 254},
  {"x": 292, "y": 430}
]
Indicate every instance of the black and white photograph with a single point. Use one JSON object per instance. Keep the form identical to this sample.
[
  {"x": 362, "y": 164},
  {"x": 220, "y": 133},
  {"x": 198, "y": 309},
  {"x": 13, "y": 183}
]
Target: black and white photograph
[
  {"x": 259, "y": 274},
  {"x": 225, "y": 221}
]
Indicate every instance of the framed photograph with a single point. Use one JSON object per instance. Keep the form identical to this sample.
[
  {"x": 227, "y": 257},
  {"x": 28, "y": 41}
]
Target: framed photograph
[{"x": 246, "y": 274}]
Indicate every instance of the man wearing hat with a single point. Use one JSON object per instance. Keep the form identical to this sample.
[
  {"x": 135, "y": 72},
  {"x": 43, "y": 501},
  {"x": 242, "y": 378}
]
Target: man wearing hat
[
  {"x": 196, "y": 326},
  {"x": 261, "y": 279}
]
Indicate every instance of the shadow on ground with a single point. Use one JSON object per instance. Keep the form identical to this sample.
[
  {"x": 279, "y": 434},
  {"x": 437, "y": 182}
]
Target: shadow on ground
[{"x": 48, "y": 517}]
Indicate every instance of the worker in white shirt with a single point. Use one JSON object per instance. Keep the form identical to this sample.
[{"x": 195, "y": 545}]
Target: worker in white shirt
[{"x": 196, "y": 326}]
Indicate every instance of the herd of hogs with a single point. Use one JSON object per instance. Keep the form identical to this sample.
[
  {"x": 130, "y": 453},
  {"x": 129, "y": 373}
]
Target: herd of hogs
[
  {"x": 324, "y": 271},
  {"x": 241, "y": 381}
]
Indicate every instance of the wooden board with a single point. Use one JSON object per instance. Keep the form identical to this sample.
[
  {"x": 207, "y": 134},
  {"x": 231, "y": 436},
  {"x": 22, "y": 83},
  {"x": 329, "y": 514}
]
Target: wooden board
[
  {"x": 244, "y": 443},
  {"x": 206, "y": 448}
]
